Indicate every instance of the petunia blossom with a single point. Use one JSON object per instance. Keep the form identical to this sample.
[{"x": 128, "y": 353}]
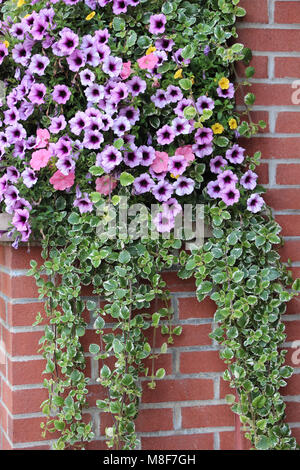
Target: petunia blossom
[{"x": 61, "y": 182}]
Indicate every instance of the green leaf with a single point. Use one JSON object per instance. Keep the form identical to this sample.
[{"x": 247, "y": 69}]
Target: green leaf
[
  {"x": 74, "y": 218},
  {"x": 126, "y": 179},
  {"x": 118, "y": 347},
  {"x": 189, "y": 112},
  {"x": 96, "y": 170},
  {"x": 94, "y": 348},
  {"x": 99, "y": 323},
  {"x": 124, "y": 257},
  {"x": 91, "y": 305},
  {"x": 238, "y": 276},
  {"x": 185, "y": 84},
  {"x": 264, "y": 443},
  {"x": 167, "y": 8},
  {"x": 160, "y": 373}
]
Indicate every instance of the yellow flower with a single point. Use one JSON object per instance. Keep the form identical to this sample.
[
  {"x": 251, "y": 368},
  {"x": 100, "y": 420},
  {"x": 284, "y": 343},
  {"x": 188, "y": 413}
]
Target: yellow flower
[
  {"x": 217, "y": 128},
  {"x": 192, "y": 79},
  {"x": 178, "y": 74},
  {"x": 224, "y": 83},
  {"x": 6, "y": 44},
  {"x": 173, "y": 176},
  {"x": 20, "y": 3},
  {"x": 232, "y": 123},
  {"x": 90, "y": 16},
  {"x": 150, "y": 50}
]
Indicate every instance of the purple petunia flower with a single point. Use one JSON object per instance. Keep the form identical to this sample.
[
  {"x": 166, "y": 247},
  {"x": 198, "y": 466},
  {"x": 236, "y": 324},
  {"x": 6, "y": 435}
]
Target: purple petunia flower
[
  {"x": 65, "y": 165},
  {"x": 204, "y": 135},
  {"x": 255, "y": 203},
  {"x": 177, "y": 165},
  {"x": 18, "y": 30},
  {"x": 136, "y": 85},
  {"x": 109, "y": 158},
  {"x": 21, "y": 53},
  {"x": 162, "y": 191},
  {"x": 164, "y": 44},
  {"x": 83, "y": 203},
  {"x": 235, "y": 154},
  {"x": 184, "y": 186},
  {"x": 226, "y": 93},
  {"x": 217, "y": 164},
  {"x": 159, "y": 99},
  {"x": 182, "y": 104},
  {"x": 68, "y": 42},
  {"x": 12, "y": 174},
  {"x": 37, "y": 93},
  {"x": 119, "y": 92},
  {"x": 157, "y": 24},
  {"x": 202, "y": 150},
  {"x": 131, "y": 157},
  {"x": 11, "y": 195},
  {"x": 165, "y": 135},
  {"x": 39, "y": 28},
  {"x": 203, "y": 102},
  {"x": 146, "y": 154},
  {"x": 179, "y": 59},
  {"x": 230, "y": 195},
  {"x": 79, "y": 122},
  {"x": 29, "y": 178},
  {"x": 120, "y": 126},
  {"x": 61, "y": 94},
  {"x": 131, "y": 113},
  {"x": 164, "y": 221},
  {"x": 76, "y": 60},
  {"x": 38, "y": 64},
  {"x": 119, "y": 6},
  {"x": 206, "y": 50},
  {"x": 93, "y": 140},
  {"x": 3, "y": 52},
  {"x": 173, "y": 206},
  {"x": 173, "y": 94},
  {"x": 143, "y": 184},
  {"x": 87, "y": 77},
  {"x": 57, "y": 124},
  {"x": 213, "y": 189},
  {"x": 102, "y": 36},
  {"x": 103, "y": 52},
  {"x": 11, "y": 116},
  {"x": 63, "y": 147},
  {"x": 181, "y": 126},
  {"x": 20, "y": 219},
  {"x": 112, "y": 66},
  {"x": 15, "y": 133},
  {"x": 248, "y": 180},
  {"x": 94, "y": 93},
  {"x": 227, "y": 178}
]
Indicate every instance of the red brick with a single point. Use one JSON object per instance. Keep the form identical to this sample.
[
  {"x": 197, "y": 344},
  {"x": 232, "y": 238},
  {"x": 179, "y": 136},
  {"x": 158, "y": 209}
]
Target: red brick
[
  {"x": 28, "y": 372},
  {"x": 184, "y": 442},
  {"x": 3, "y": 418},
  {"x": 288, "y": 173},
  {"x": 293, "y": 357},
  {"x": 18, "y": 287},
  {"x": 267, "y": 95},
  {"x": 24, "y": 401},
  {"x": 201, "y": 361},
  {"x": 263, "y": 173},
  {"x": 2, "y": 309},
  {"x": 260, "y": 63},
  {"x": 207, "y": 416},
  {"x": 163, "y": 361},
  {"x": 288, "y": 122},
  {"x": 287, "y": 67},
  {"x": 96, "y": 445},
  {"x": 257, "y": 11},
  {"x": 24, "y": 314},
  {"x": 293, "y": 386},
  {"x": 292, "y": 330},
  {"x": 175, "y": 284},
  {"x": 280, "y": 199},
  {"x": 227, "y": 441},
  {"x": 270, "y": 39},
  {"x": 189, "y": 307},
  {"x": 256, "y": 116},
  {"x": 5, "y": 443},
  {"x": 155, "y": 420},
  {"x": 290, "y": 225},
  {"x": 292, "y": 412},
  {"x": 287, "y": 12},
  {"x": 179, "y": 390},
  {"x": 27, "y": 430},
  {"x": 273, "y": 148},
  {"x": 22, "y": 344},
  {"x": 296, "y": 433},
  {"x": 290, "y": 250},
  {"x": 19, "y": 259}
]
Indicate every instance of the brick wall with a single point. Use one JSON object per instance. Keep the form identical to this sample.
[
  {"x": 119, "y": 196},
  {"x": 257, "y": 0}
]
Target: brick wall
[{"x": 187, "y": 410}]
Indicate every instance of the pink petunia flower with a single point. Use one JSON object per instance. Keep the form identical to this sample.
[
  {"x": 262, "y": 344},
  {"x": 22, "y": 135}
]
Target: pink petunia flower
[
  {"x": 186, "y": 151},
  {"x": 43, "y": 138},
  {"x": 148, "y": 61},
  {"x": 61, "y": 182},
  {"x": 126, "y": 70},
  {"x": 161, "y": 162},
  {"x": 40, "y": 159},
  {"x": 105, "y": 185}
]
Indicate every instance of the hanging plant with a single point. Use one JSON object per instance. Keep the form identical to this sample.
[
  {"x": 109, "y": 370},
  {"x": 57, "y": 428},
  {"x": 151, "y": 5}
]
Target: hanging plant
[{"x": 132, "y": 104}]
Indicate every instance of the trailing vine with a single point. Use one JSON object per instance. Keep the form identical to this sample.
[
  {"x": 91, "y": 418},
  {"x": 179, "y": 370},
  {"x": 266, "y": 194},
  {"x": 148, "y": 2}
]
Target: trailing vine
[{"x": 133, "y": 102}]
